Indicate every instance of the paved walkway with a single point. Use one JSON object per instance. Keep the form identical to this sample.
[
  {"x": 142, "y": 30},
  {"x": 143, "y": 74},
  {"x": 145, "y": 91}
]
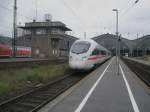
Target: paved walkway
[{"x": 104, "y": 91}]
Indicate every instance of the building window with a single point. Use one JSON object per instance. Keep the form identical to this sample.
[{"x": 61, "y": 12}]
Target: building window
[
  {"x": 55, "y": 45},
  {"x": 40, "y": 31},
  {"x": 27, "y": 32},
  {"x": 57, "y": 31}
]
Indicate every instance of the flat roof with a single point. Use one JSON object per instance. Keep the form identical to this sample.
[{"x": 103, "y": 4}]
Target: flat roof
[
  {"x": 46, "y": 24},
  {"x": 34, "y": 27}
]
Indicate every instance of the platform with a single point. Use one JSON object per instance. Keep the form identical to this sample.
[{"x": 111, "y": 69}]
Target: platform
[{"x": 104, "y": 91}]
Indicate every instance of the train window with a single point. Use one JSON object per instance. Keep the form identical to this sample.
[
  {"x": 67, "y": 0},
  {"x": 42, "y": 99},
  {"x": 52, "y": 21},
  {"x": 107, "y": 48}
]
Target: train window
[
  {"x": 80, "y": 47},
  {"x": 40, "y": 31},
  {"x": 103, "y": 52},
  {"x": 95, "y": 52}
]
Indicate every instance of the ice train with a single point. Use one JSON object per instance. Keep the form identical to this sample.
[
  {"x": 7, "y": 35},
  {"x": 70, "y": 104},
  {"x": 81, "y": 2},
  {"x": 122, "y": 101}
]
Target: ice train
[{"x": 85, "y": 54}]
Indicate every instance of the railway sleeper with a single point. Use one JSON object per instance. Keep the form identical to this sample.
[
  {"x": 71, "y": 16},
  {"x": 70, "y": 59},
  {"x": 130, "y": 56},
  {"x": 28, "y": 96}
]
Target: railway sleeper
[
  {"x": 39, "y": 98},
  {"x": 33, "y": 101},
  {"x": 13, "y": 109},
  {"x": 17, "y": 108},
  {"x": 26, "y": 104}
]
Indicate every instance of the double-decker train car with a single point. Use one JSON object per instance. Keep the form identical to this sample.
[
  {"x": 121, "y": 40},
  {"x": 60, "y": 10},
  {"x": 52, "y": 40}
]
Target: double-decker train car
[
  {"x": 85, "y": 54},
  {"x": 21, "y": 51},
  {"x": 5, "y": 51}
]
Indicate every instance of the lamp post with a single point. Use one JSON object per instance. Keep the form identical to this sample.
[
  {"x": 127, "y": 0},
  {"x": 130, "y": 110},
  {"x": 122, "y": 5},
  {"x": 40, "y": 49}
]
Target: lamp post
[
  {"x": 85, "y": 35},
  {"x": 116, "y": 30},
  {"x": 138, "y": 50},
  {"x": 124, "y": 51},
  {"x": 118, "y": 40}
]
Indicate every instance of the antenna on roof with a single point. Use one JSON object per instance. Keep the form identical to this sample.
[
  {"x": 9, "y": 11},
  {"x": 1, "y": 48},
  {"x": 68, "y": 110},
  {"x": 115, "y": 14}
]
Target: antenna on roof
[
  {"x": 48, "y": 17},
  {"x": 137, "y": 35},
  {"x": 36, "y": 10},
  {"x": 84, "y": 35}
]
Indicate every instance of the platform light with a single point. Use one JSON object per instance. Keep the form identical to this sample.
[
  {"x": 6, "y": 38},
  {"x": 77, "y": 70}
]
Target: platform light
[
  {"x": 117, "y": 42},
  {"x": 136, "y": 1}
]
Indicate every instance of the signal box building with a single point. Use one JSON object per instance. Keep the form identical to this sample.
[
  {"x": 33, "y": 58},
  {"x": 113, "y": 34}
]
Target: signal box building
[{"x": 48, "y": 38}]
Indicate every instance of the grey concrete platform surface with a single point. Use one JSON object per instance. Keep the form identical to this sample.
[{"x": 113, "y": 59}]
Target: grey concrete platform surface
[{"x": 104, "y": 91}]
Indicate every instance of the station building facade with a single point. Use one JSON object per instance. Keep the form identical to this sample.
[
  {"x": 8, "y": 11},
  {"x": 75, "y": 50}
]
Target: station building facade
[
  {"x": 136, "y": 48},
  {"x": 48, "y": 39}
]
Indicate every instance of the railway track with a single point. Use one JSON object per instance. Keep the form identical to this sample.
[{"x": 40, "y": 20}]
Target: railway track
[
  {"x": 34, "y": 100},
  {"x": 29, "y": 63},
  {"x": 141, "y": 70}
]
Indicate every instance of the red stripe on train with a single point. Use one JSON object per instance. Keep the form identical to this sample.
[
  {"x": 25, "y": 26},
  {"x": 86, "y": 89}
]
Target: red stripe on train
[{"x": 95, "y": 57}]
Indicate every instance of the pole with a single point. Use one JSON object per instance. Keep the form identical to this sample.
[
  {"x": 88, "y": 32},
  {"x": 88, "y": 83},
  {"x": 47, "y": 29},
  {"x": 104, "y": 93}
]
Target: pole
[
  {"x": 14, "y": 28},
  {"x": 117, "y": 42},
  {"x": 85, "y": 35},
  {"x": 137, "y": 47},
  {"x": 36, "y": 12},
  {"x": 118, "y": 37},
  {"x": 123, "y": 51}
]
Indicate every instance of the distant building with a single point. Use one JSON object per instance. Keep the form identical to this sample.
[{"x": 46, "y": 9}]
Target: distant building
[
  {"x": 136, "y": 48},
  {"x": 109, "y": 41},
  {"x": 48, "y": 38}
]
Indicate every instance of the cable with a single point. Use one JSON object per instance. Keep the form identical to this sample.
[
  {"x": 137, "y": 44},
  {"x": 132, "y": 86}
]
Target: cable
[
  {"x": 11, "y": 10},
  {"x": 26, "y": 16},
  {"x": 129, "y": 8},
  {"x": 4, "y": 28},
  {"x": 124, "y": 11},
  {"x": 73, "y": 12}
]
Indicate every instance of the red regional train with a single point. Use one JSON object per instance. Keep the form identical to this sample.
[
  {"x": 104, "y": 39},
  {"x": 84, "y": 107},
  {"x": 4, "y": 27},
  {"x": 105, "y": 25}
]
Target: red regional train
[{"x": 21, "y": 51}]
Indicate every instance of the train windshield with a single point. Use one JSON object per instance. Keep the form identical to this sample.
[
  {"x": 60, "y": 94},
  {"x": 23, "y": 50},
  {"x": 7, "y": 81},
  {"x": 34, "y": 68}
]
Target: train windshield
[{"x": 80, "y": 47}]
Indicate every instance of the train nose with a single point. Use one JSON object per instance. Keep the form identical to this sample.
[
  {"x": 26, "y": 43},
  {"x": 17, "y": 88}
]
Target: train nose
[
  {"x": 76, "y": 65},
  {"x": 80, "y": 64},
  {"x": 73, "y": 62}
]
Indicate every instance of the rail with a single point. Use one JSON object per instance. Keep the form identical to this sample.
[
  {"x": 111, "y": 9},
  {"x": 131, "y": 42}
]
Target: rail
[
  {"x": 29, "y": 63},
  {"x": 140, "y": 69},
  {"x": 35, "y": 99}
]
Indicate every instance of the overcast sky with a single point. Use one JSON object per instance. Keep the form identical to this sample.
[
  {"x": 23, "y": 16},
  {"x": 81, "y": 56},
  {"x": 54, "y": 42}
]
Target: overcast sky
[{"x": 92, "y": 16}]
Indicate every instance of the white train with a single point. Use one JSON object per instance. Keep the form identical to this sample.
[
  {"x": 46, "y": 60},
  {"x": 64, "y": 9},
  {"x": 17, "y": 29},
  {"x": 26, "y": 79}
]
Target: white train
[{"x": 85, "y": 54}]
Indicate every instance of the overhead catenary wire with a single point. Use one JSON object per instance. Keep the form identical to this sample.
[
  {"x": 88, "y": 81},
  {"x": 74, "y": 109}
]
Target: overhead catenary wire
[
  {"x": 5, "y": 28},
  {"x": 129, "y": 8},
  {"x": 36, "y": 10},
  {"x": 73, "y": 13},
  {"x": 70, "y": 9},
  {"x": 11, "y": 11},
  {"x": 123, "y": 12}
]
